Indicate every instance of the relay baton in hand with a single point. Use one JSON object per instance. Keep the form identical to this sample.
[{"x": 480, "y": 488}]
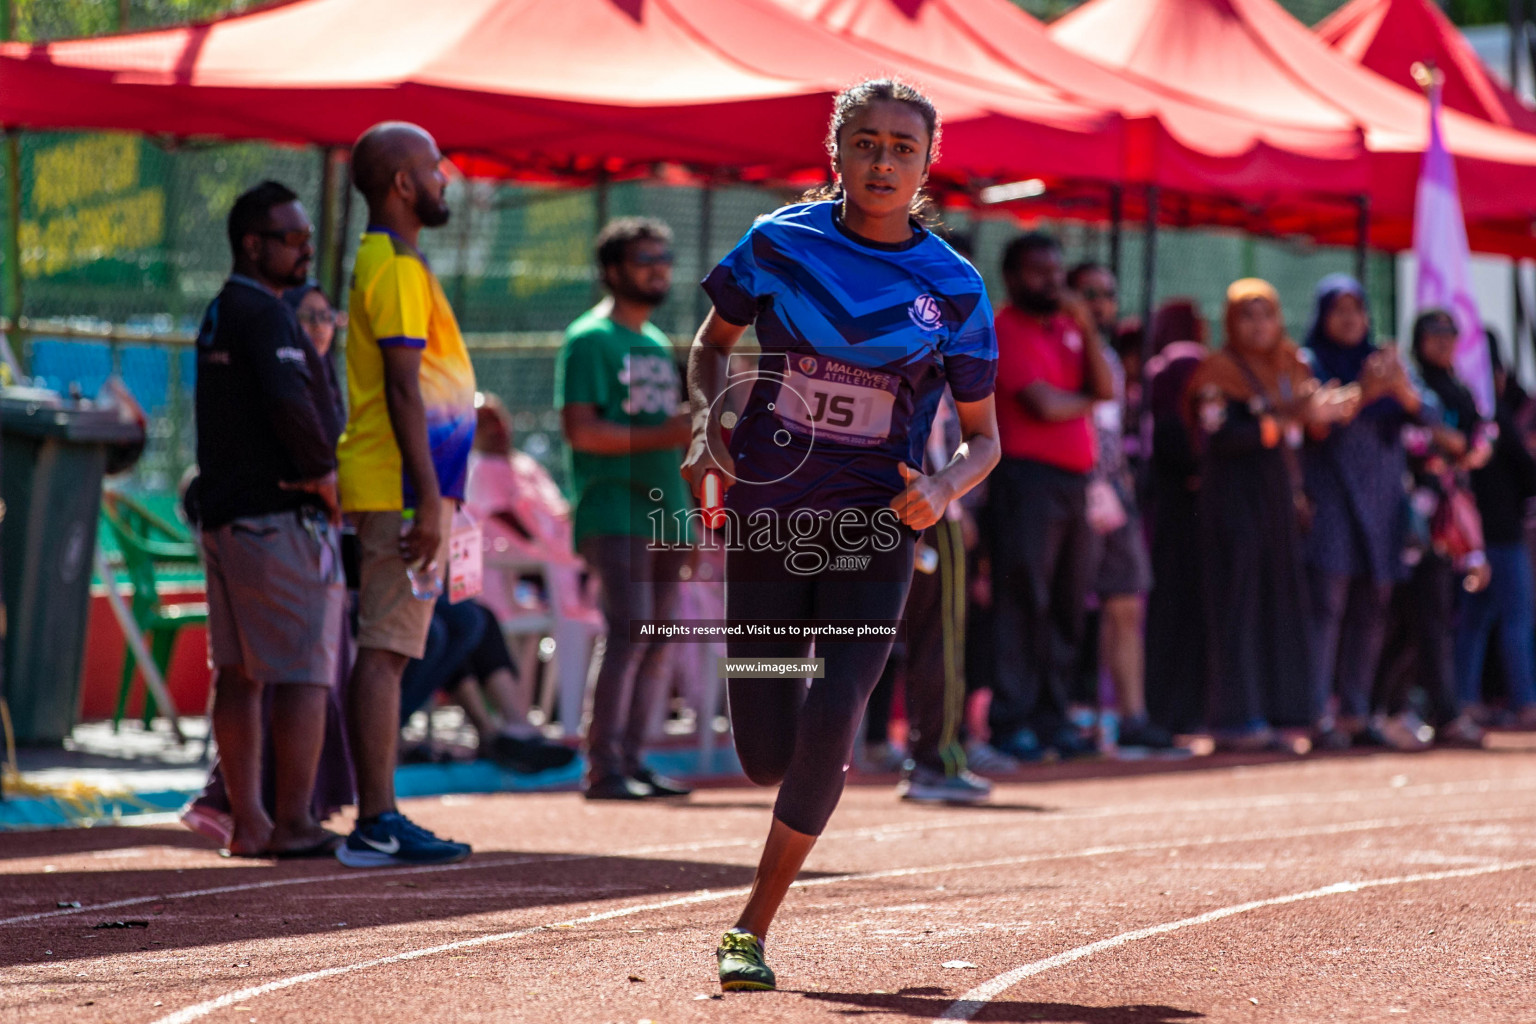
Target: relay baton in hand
[{"x": 714, "y": 510}]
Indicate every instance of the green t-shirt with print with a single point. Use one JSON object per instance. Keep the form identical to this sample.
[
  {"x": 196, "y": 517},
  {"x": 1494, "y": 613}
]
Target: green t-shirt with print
[{"x": 632, "y": 379}]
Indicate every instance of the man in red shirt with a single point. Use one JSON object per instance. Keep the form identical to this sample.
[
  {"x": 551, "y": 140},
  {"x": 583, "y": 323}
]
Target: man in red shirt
[{"x": 1050, "y": 373}]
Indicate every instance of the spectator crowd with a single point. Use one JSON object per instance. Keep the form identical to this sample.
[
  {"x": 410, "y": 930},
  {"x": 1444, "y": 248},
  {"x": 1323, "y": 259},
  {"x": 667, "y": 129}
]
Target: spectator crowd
[{"x": 1237, "y": 540}]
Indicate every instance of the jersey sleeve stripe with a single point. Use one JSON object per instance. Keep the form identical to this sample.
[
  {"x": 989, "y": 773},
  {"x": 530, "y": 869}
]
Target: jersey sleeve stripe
[{"x": 402, "y": 341}]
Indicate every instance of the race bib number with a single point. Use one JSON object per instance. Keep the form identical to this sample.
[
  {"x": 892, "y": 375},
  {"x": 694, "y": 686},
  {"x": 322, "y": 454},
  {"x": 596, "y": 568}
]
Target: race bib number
[
  {"x": 836, "y": 402},
  {"x": 466, "y": 559}
]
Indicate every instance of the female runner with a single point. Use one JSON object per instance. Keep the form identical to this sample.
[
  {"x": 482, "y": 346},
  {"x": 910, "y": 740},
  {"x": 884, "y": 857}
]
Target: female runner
[{"x": 862, "y": 317}]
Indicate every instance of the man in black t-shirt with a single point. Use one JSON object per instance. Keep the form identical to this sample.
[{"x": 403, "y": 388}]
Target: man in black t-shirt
[{"x": 266, "y": 501}]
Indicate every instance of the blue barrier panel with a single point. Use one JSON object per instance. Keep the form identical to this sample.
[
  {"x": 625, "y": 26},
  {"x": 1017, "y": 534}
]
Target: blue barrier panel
[
  {"x": 61, "y": 363},
  {"x": 146, "y": 371}
]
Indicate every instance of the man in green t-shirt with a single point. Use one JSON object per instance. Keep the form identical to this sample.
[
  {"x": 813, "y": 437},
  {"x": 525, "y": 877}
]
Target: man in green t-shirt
[{"x": 619, "y": 392}]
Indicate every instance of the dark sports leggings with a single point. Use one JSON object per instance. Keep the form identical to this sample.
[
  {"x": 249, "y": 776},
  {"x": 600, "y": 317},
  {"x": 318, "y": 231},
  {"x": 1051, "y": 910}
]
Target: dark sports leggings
[{"x": 801, "y": 736}]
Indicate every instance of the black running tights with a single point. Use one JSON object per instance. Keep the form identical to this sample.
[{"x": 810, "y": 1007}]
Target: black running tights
[{"x": 800, "y": 733}]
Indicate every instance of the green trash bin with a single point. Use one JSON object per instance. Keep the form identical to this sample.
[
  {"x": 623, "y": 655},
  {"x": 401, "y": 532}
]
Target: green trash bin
[{"x": 55, "y": 454}]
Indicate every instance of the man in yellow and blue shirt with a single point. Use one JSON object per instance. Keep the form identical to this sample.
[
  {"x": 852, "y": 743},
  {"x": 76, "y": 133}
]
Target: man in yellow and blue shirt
[{"x": 402, "y": 463}]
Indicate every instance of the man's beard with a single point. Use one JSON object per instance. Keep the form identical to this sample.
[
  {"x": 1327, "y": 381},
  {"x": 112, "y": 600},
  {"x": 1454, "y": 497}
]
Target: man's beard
[
  {"x": 296, "y": 276},
  {"x": 1037, "y": 303},
  {"x": 634, "y": 293},
  {"x": 433, "y": 213}
]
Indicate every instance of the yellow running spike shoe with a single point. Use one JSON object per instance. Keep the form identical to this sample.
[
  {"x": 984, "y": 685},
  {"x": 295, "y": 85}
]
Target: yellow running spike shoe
[{"x": 741, "y": 963}]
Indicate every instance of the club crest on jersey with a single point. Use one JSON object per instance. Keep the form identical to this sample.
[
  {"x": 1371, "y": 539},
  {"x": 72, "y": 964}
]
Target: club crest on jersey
[
  {"x": 808, "y": 366},
  {"x": 924, "y": 312}
]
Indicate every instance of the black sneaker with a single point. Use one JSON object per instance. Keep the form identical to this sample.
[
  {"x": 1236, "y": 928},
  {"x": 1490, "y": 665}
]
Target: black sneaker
[
  {"x": 1143, "y": 732},
  {"x": 660, "y": 784},
  {"x": 529, "y": 756},
  {"x": 1070, "y": 744},
  {"x": 617, "y": 787}
]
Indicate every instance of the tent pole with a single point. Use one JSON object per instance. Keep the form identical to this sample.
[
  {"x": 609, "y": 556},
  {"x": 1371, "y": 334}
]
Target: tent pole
[
  {"x": 13, "y": 230},
  {"x": 327, "y": 220},
  {"x": 1362, "y": 240},
  {"x": 601, "y": 200},
  {"x": 12, "y": 286},
  {"x": 1516, "y": 11},
  {"x": 1148, "y": 309},
  {"x": 1518, "y": 324},
  {"x": 706, "y": 236},
  {"x": 1149, "y": 276},
  {"x": 1116, "y": 226},
  {"x": 339, "y": 287},
  {"x": 460, "y": 279}
]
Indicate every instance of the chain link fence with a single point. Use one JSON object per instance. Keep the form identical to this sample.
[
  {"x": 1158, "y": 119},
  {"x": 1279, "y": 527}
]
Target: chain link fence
[{"x": 122, "y": 245}]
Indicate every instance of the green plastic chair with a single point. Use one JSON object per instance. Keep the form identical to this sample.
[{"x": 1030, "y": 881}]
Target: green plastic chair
[{"x": 147, "y": 540}]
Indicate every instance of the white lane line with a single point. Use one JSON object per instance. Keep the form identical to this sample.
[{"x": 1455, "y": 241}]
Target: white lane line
[
  {"x": 1287, "y": 800},
  {"x": 202, "y": 1009},
  {"x": 273, "y": 883},
  {"x": 974, "y": 1001},
  {"x": 490, "y": 861},
  {"x": 867, "y": 832}
]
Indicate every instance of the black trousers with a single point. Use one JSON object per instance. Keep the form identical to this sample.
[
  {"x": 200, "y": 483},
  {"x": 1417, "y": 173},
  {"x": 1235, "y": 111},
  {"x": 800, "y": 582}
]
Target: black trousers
[
  {"x": 637, "y": 583},
  {"x": 1041, "y": 543},
  {"x": 931, "y": 660},
  {"x": 1418, "y": 649}
]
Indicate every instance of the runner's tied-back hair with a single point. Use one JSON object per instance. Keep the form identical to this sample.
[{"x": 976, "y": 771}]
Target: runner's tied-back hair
[{"x": 866, "y": 93}]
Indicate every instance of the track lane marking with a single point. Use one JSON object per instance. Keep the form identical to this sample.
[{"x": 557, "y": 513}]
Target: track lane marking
[
  {"x": 867, "y": 832},
  {"x": 485, "y": 861},
  {"x": 203, "y": 1009},
  {"x": 974, "y": 1001}
]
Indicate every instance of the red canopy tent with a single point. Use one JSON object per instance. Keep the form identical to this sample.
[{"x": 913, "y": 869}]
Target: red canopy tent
[
  {"x": 1184, "y": 143},
  {"x": 1252, "y": 57},
  {"x": 1389, "y": 36},
  {"x": 558, "y": 85}
]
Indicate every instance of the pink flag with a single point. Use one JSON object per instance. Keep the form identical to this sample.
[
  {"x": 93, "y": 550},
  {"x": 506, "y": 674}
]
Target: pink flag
[{"x": 1445, "y": 262}]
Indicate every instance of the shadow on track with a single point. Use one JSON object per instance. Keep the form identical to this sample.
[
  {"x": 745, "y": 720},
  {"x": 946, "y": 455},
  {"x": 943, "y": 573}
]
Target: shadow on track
[
  {"x": 928, "y": 1003},
  {"x": 62, "y": 842},
  {"x": 327, "y": 899}
]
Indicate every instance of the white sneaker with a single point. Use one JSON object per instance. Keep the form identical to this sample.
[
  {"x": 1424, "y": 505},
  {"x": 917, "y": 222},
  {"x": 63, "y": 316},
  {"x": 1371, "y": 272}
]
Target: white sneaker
[
  {"x": 1405, "y": 733},
  {"x": 205, "y": 821},
  {"x": 1460, "y": 732},
  {"x": 927, "y": 786},
  {"x": 986, "y": 759}
]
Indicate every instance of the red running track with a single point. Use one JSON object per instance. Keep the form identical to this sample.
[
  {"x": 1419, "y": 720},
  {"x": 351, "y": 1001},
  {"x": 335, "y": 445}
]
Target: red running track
[{"x": 1348, "y": 889}]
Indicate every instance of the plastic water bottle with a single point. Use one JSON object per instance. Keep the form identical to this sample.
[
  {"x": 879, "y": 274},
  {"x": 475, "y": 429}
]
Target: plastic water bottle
[{"x": 425, "y": 578}]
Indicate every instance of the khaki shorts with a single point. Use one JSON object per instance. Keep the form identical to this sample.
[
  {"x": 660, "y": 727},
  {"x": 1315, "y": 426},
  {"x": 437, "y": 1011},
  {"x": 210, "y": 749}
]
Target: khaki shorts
[
  {"x": 389, "y": 616},
  {"x": 276, "y": 597}
]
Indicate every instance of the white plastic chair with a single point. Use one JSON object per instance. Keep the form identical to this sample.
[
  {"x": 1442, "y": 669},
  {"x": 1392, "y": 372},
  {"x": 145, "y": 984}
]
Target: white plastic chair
[{"x": 561, "y": 617}]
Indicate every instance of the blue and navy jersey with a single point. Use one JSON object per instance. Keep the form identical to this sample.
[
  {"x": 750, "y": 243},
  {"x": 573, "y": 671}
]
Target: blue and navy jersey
[{"x": 858, "y": 339}]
